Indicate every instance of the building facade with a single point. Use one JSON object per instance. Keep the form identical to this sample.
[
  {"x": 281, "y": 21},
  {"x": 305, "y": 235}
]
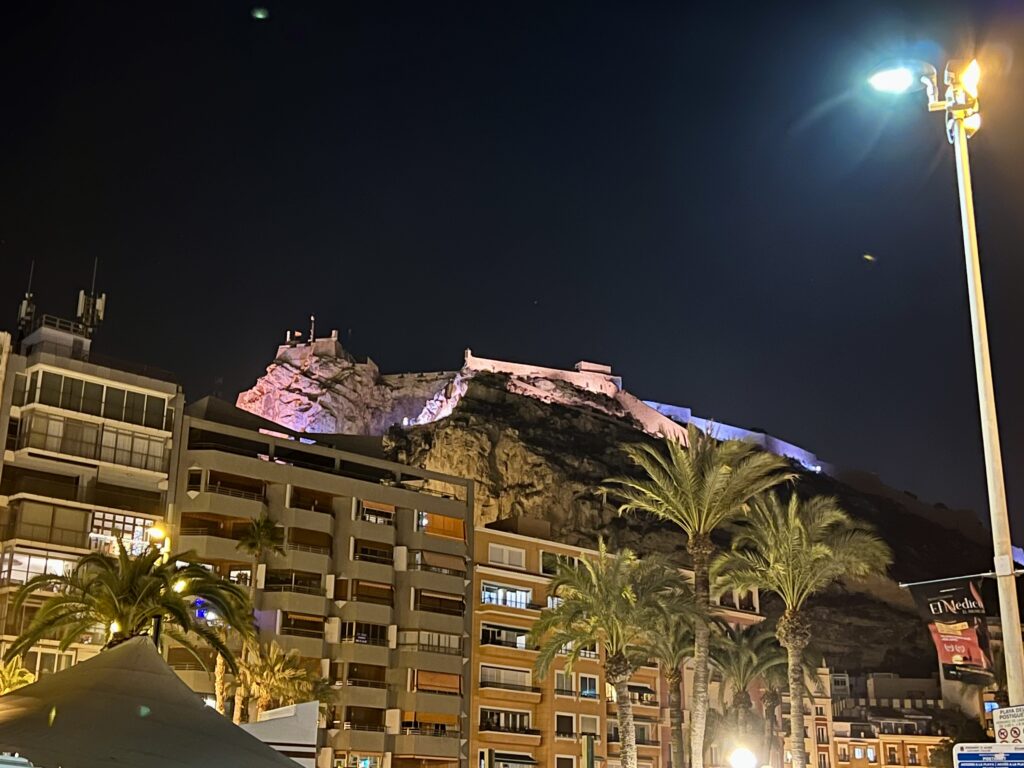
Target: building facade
[
  {"x": 372, "y": 587},
  {"x": 522, "y": 719},
  {"x": 86, "y": 464}
]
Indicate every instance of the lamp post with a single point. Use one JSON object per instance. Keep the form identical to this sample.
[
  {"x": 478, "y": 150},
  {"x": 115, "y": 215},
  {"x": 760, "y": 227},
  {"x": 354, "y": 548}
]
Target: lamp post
[
  {"x": 963, "y": 119},
  {"x": 157, "y": 533}
]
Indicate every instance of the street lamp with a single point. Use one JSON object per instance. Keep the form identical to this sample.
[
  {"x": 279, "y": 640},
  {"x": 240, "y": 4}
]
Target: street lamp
[
  {"x": 741, "y": 757},
  {"x": 963, "y": 119}
]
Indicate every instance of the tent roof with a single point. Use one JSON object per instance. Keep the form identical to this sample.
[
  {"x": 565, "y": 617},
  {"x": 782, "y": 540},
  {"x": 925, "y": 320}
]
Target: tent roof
[{"x": 124, "y": 707}]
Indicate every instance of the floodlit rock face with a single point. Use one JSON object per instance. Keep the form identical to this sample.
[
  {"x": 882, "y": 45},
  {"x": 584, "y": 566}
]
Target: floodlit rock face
[
  {"x": 537, "y": 442},
  {"x": 321, "y": 388}
]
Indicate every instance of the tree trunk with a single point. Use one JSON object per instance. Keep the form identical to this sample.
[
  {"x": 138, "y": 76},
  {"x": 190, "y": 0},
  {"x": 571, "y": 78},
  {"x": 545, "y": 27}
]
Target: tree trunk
[
  {"x": 262, "y": 705},
  {"x": 220, "y": 683},
  {"x": 240, "y": 703},
  {"x": 794, "y": 635},
  {"x": 675, "y": 717},
  {"x": 769, "y": 730},
  {"x": 742, "y": 704},
  {"x": 627, "y": 730},
  {"x": 700, "y": 550}
]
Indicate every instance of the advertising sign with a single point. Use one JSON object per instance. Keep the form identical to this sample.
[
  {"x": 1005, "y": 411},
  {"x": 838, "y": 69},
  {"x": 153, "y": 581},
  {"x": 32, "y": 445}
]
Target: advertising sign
[{"x": 955, "y": 615}]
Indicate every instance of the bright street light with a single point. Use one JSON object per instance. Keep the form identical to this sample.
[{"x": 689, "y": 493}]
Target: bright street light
[
  {"x": 895, "y": 80},
  {"x": 963, "y": 119},
  {"x": 741, "y": 757}
]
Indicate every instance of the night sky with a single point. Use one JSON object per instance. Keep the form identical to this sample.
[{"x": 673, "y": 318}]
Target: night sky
[{"x": 686, "y": 194}]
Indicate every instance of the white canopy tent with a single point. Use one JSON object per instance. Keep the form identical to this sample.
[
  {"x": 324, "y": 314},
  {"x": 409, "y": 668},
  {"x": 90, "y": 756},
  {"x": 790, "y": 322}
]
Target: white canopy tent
[{"x": 124, "y": 707}]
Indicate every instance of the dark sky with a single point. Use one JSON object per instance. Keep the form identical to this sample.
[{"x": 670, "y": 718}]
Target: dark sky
[{"x": 685, "y": 193}]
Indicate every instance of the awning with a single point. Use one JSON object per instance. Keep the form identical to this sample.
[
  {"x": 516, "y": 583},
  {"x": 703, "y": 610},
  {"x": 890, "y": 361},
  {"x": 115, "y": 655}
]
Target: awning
[
  {"x": 641, "y": 689},
  {"x": 439, "y": 560},
  {"x": 378, "y": 506},
  {"x": 510, "y": 757},
  {"x": 124, "y": 707}
]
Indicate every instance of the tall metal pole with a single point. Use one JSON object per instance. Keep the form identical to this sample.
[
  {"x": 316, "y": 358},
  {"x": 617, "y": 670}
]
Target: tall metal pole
[{"x": 1009, "y": 613}]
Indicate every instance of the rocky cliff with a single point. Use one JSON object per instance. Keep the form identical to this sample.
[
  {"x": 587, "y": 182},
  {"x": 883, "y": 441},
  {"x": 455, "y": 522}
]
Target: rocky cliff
[{"x": 539, "y": 445}]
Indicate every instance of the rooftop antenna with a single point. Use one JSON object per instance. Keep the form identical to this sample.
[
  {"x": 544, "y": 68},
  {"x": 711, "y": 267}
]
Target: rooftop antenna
[
  {"x": 312, "y": 328},
  {"x": 27, "y": 308},
  {"x": 91, "y": 307}
]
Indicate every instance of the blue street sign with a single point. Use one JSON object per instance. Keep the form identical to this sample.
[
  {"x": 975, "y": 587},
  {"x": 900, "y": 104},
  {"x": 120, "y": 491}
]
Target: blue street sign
[{"x": 988, "y": 756}]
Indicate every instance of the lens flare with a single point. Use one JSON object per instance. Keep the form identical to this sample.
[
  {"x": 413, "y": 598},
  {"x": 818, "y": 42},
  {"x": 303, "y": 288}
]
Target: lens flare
[{"x": 892, "y": 80}]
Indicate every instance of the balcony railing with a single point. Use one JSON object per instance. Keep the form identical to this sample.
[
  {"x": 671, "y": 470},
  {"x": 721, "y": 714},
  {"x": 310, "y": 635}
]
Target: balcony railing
[
  {"x": 237, "y": 493},
  {"x": 507, "y": 643},
  {"x": 428, "y": 730},
  {"x": 431, "y": 648},
  {"x": 314, "y": 548},
  {"x": 366, "y": 640},
  {"x": 374, "y": 599},
  {"x": 348, "y": 726},
  {"x": 448, "y": 610},
  {"x": 437, "y": 569},
  {"x": 382, "y": 556},
  {"x": 302, "y": 589},
  {"x": 509, "y": 686},
  {"x": 303, "y": 632},
  {"x": 63, "y": 536},
  {"x": 498, "y": 728},
  {"x": 360, "y": 682}
]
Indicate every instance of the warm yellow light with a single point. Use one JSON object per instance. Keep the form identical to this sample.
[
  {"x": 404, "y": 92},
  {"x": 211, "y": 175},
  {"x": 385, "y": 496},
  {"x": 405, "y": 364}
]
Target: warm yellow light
[
  {"x": 179, "y": 585},
  {"x": 156, "y": 533},
  {"x": 742, "y": 757},
  {"x": 115, "y": 627},
  {"x": 972, "y": 123},
  {"x": 970, "y": 78}
]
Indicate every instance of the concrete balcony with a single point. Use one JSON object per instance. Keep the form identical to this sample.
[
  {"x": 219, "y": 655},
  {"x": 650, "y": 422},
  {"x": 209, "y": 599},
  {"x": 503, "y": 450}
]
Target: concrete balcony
[
  {"x": 414, "y": 657},
  {"x": 357, "y": 738},
  {"x": 371, "y": 613},
  {"x": 291, "y": 517},
  {"x": 249, "y": 506},
  {"x": 430, "y": 621},
  {"x": 419, "y": 742},
  {"x": 366, "y": 531},
  {"x": 292, "y": 599},
  {"x": 422, "y": 577},
  {"x": 519, "y": 737},
  {"x": 365, "y": 570},
  {"x": 195, "y": 677},
  {"x": 366, "y": 653},
  {"x": 365, "y": 693},
  {"x": 310, "y": 647},
  {"x": 300, "y": 557},
  {"x": 210, "y": 547}
]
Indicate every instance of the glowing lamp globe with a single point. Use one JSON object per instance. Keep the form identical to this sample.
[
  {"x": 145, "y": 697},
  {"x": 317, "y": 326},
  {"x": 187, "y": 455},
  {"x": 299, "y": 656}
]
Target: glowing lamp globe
[
  {"x": 741, "y": 757},
  {"x": 893, "y": 80}
]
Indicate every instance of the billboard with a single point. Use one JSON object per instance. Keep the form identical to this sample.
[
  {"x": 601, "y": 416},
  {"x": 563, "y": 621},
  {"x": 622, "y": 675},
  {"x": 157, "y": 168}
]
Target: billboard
[{"x": 955, "y": 615}]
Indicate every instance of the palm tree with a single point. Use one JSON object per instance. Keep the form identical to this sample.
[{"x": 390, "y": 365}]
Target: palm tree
[
  {"x": 700, "y": 488},
  {"x": 263, "y": 537},
  {"x": 275, "y": 677},
  {"x": 796, "y": 549},
  {"x": 742, "y": 655},
  {"x": 125, "y": 594},
  {"x": 14, "y": 675},
  {"x": 611, "y": 599},
  {"x": 671, "y": 645}
]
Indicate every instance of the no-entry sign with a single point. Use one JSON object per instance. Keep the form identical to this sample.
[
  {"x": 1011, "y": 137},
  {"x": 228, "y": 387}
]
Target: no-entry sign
[{"x": 1008, "y": 723}]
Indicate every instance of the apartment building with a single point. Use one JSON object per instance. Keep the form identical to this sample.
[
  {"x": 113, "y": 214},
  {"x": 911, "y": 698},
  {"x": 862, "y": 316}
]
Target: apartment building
[
  {"x": 819, "y": 722},
  {"x": 86, "y": 462},
  {"x": 372, "y": 589},
  {"x": 527, "y": 721},
  {"x": 887, "y": 737}
]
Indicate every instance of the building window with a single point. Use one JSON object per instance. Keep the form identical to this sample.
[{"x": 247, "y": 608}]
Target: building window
[
  {"x": 822, "y": 736},
  {"x": 554, "y": 601},
  {"x": 565, "y": 726},
  {"x": 509, "y": 597},
  {"x": 510, "y": 557},
  {"x": 440, "y": 525},
  {"x": 505, "y": 678},
  {"x": 44, "y": 662},
  {"x": 366, "y": 634},
  {"x": 858, "y": 753},
  {"x": 358, "y": 761},
  {"x": 431, "y": 642},
  {"x": 549, "y": 562},
  {"x": 565, "y": 762},
  {"x": 589, "y": 725},
  {"x": 872, "y": 755},
  {"x": 890, "y": 756},
  {"x": 588, "y": 687},
  {"x": 819, "y": 711},
  {"x": 844, "y": 755},
  {"x": 507, "y": 637},
  {"x": 563, "y": 684},
  {"x": 822, "y": 760},
  {"x": 912, "y": 756},
  {"x": 504, "y": 721}
]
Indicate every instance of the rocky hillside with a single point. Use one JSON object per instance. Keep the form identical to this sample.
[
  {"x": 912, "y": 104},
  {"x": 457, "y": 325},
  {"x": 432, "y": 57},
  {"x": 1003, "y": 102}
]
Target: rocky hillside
[{"x": 540, "y": 447}]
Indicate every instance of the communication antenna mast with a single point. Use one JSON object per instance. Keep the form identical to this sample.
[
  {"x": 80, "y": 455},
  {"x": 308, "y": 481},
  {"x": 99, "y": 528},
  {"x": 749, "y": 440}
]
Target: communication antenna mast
[
  {"x": 27, "y": 308},
  {"x": 312, "y": 328},
  {"x": 91, "y": 307}
]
